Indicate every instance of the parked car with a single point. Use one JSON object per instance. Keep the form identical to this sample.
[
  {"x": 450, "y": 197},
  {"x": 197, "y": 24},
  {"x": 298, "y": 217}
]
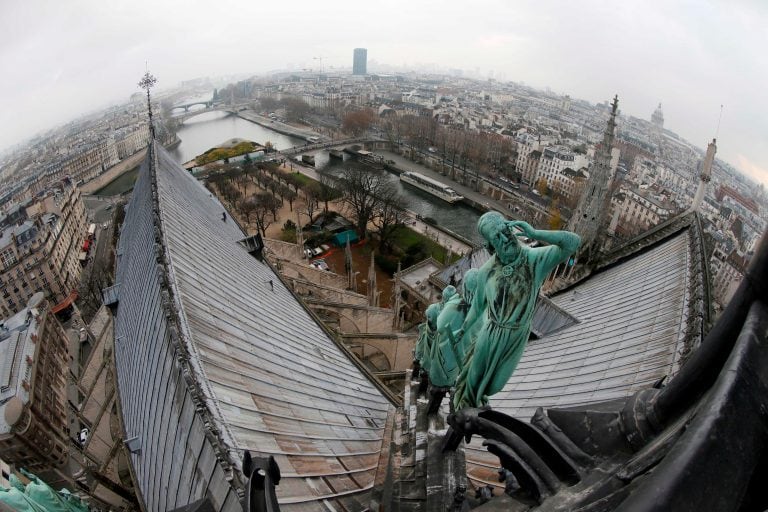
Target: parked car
[{"x": 320, "y": 264}]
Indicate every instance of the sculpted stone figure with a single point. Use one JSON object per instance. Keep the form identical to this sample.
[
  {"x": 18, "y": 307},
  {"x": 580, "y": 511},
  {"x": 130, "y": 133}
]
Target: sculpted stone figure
[
  {"x": 469, "y": 286},
  {"x": 446, "y": 356},
  {"x": 503, "y": 303},
  {"x": 427, "y": 333}
]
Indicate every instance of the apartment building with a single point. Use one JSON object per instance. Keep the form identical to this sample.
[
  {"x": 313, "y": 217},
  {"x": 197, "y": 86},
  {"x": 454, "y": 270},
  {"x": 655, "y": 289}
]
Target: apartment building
[
  {"x": 639, "y": 210},
  {"x": 41, "y": 253},
  {"x": 33, "y": 376}
]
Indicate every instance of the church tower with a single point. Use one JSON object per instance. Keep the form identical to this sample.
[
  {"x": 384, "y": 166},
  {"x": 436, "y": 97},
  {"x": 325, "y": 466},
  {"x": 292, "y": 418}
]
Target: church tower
[
  {"x": 705, "y": 176},
  {"x": 657, "y": 120},
  {"x": 589, "y": 218}
]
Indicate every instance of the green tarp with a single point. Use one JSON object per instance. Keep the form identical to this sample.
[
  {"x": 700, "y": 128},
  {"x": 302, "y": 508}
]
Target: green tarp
[{"x": 341, "y": 239}]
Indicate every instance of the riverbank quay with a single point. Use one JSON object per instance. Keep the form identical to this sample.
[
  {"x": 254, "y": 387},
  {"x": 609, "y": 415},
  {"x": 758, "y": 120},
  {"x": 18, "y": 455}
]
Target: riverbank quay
[
  {"x": 454, "y": 242},
  {"x": 292, "y": 131},
  {"x": 113, "y": 172},
  {"x": 117, "y": 170},
  {"x": 515, "y": 204}
]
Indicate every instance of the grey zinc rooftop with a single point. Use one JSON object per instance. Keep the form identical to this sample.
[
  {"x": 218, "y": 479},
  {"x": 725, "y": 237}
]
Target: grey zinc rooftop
[
  {"x": 274, "y": 381},
  {"x": 281, "y": 386},
  {"x": 631, "y": 324}
]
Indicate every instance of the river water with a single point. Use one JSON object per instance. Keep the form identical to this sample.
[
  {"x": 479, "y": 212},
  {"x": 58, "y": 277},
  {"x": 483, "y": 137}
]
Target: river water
[
  {"x": 200, "y": 133},
  {"x": 456, "y": 217}
]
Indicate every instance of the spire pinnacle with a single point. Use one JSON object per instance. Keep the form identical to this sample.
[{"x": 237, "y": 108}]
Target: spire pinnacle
[
  {"x": 720, "y": 118},
  {"x": 147, "y": 82},
  {"x": 609, "y": 133}
]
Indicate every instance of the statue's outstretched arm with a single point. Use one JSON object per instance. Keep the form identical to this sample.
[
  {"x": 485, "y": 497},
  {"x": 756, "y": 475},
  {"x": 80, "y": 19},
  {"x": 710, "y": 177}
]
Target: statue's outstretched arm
[{"x": 562, "y": 245}]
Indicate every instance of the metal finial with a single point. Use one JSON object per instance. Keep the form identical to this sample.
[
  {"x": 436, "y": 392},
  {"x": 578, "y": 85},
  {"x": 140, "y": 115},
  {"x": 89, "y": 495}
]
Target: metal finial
[
  {"x": 147, "y": 82},
  {"x": 717, "y": 130}
]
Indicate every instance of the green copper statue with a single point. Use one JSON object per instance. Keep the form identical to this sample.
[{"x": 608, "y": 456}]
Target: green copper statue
[
  {"x": 469, "y": 285},
  {"x": 427, "y": 333},
  {"x": 503, "y": 303},
  {"x": 446, "y": 356}
]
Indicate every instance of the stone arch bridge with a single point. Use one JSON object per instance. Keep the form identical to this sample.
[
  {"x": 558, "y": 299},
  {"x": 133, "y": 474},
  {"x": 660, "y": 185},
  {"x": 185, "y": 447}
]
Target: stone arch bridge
[{"x": 209, "y": 106}]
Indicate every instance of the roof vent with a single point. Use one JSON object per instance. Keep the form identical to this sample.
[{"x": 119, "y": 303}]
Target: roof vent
[
  {"x": 134, "y": 445},
  {"x": 254, "y": 245}
]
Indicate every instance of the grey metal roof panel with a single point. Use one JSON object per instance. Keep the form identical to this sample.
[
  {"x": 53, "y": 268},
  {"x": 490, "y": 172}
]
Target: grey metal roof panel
[
  {"x": 211, "y": 361},
  {"x": 253, "y": 340},
  {"x": 631, "y": 323}
]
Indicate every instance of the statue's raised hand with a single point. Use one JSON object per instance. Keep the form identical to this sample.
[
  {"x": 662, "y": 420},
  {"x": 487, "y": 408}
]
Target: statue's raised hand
[{"x": 527, "y": 229}]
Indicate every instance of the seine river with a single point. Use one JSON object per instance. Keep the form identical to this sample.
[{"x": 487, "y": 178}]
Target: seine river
[
  {"x": 457, "y": 218},
  {"x": 202, "y": 132}
]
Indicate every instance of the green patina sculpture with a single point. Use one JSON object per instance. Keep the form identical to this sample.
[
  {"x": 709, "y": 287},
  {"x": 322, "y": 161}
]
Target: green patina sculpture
[
  {"x": 37, "y": 496},
  {"x": 446, "y": 354},
  {"x": 503, "y": 303},
  {"x": 427, "y": 333},
  {"x": 469, "y": 286}
]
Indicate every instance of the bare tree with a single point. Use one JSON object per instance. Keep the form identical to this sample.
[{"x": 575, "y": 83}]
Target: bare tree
[
  {"x": 247, "y": 208},
  {"x": 295, "y": 108},
  {"x": 264, "y": 206},
  {"x": 268, "y": 104},
  {"x": 362, "y": 192},
  {"x": 326, "y": 191},
  {"x": 358, "y": 121},
  {"x": 389, "y": 216},
  {"x": 290, "y": 196},
  {"x": 90, "y": 290},
  {"x": 242, "y": 179},
  {"x": 311, "y": 199},
  {"x": 293, "y": 181}
]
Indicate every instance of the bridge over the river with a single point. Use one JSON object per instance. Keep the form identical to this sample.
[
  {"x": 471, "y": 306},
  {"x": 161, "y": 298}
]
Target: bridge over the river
[
  {"x": 208, "y": 106},
  {"x": 328, "y": 144}
]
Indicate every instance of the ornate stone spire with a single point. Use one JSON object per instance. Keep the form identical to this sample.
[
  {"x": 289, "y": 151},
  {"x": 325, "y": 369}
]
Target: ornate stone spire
[
  {"x": 591, "y": 213},
  {"x": 705, "y": 176},
  {"x": 348, "y": 267},
  {"x": 373, "y": 296},
  {"x": 147, "y": 82}
]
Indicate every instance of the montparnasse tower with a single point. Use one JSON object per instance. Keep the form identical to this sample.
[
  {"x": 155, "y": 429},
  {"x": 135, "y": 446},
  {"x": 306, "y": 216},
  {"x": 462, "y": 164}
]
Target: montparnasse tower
[{"x": 591, "y": 215}]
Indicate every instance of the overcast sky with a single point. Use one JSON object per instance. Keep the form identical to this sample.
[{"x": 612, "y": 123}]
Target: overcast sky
[{"x": 63, "y": 58}]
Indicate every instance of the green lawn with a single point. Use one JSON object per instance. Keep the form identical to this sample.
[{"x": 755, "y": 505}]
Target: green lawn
[
  {"x": 409, "y": 240},
  {"x": 214, "y": 154},
  {"x": 302, "y": 178}
]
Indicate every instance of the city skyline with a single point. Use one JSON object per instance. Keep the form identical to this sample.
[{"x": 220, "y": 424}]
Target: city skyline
[{"x": 690, "y": 57}]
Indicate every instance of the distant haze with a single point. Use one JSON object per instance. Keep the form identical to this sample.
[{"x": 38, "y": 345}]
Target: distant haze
[{"x": 61, "y": 59}]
